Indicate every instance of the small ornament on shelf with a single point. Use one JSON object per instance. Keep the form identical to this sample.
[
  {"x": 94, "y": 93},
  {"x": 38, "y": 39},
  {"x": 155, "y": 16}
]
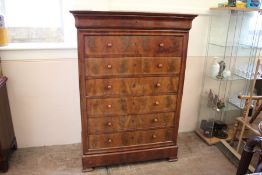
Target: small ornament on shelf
[
  {"x": 232, "y": 3},
  {"x": 210, "y": 98},
  {"x": 220, "y": 104},
  {"x": 3, "y": 32},
  {"x": 226, "y": 74},
  {"x": 222, "y": 4},
  {"x": 214, "y": 68},
  {"x": 222, "y": 66},
  {"x": 241, "y": 4},
  {"x": 254, "y": 4},
  {"x": 214, "y": 101}
]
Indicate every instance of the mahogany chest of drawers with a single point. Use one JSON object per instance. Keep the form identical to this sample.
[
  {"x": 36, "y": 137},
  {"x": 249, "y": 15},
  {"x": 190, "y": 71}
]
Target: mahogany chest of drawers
[{"x": 131, "y": 71}]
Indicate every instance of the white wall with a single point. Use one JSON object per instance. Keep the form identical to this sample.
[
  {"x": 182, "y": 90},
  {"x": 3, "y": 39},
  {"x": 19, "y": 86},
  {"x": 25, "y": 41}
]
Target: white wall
[
  {"x": 189, "y": 6},
  {"x": 44, "y": 101},
  {"x": 43, "y": 83}
]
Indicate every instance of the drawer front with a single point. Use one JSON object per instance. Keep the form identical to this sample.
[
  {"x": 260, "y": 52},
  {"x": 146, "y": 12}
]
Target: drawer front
[
  {"x": 113, "y": 66},
  {"x": 131, "y": 105},
  {"x": 117, "y": 46},
  {"x": 130, "y": 138},
  {"x": 131, "y": 66},
  {"x": 131, "y": 86},
  {"x": 100, "y": 125},
  {"x": 161, "y": 66}
]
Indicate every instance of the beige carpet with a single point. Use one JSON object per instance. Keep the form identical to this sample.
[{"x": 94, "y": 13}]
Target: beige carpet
[{"x": 195, "y": 158}]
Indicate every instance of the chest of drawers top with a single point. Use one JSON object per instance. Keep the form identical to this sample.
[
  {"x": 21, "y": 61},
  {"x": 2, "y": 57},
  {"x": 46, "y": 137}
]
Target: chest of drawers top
[{"x": 132, "y": 20}]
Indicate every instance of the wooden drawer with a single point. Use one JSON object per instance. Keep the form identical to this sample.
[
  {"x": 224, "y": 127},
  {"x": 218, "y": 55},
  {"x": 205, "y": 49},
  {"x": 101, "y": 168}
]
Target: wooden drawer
[
  {"x": 131, "y": 66},
  {"x": 131, "y": 105},
  {"x": 100, "y": 125},
  {"x": 130, "y": 138},
  {"x": 123, "y": 45},
  {"x": 131, "y": 86}
]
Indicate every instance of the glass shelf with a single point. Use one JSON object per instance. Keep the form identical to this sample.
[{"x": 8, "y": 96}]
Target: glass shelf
[
  {"x": 247, "y": 77},
  {"x": 246, "y": 71},
  {"x": 231, "y": 78},
  {"x": 235, "y": 101},
  {"x": 229, "y": 105},
  {"x": 241, "y": 45}
]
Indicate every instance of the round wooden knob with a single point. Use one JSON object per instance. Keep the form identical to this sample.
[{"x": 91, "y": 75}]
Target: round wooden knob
[
  {"x": 109, "y": 87},
  {"x": 157, "y": 103},
  {"x": 109, "y": 66},
  {"x": 153, "y": 136},
  {"x": 109, "y": 140},
  {"x": 109, "y": 106},
  {"x": 109, "y": 124},
  {"x": 160, "y": 65},
  {"x": 161, "y": 45},
  {"x": 109, "y": 44},
  {"x": 155, "y": 120},
  {"x": 158, "y": 85}
]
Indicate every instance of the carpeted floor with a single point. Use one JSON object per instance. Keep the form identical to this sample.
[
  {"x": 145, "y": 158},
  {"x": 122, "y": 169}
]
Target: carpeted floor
[{"x": 195, "y": 158}]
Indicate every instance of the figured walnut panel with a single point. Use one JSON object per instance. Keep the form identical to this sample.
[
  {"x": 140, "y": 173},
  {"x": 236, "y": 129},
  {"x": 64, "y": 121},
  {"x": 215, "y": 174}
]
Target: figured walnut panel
[
  {"x": 130, "y": 138},
  {"x": 100, "y": 125},
  {"x": 131, "y": 66},
  {"x": 131, "y": 105},
  {"x": 148, "y": 46},
  {"x": 131, "y": 86}
]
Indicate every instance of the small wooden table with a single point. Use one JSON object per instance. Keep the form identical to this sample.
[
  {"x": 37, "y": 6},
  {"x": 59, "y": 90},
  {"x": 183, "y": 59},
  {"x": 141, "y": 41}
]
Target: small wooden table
[{"x": 7, "y": 134}]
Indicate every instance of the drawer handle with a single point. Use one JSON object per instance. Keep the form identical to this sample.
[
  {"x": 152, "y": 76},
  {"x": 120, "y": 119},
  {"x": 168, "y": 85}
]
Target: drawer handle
[
  {"x": 153, "y": 136},
  {"x": 160, "y": 65},
  {"x": 109, "y": 140},
  {"x": 109, "y": 44},
  {"x": 157, "y": 103},
  {"x": 109, "y": 106},
  {"x": 109, "y": 66},
  {"x": 109, "y": 87},
  {"x": 158, "y": 85},
  {"x": 161, "y": 45},
  {"x": 155, "y": 120},
  {"x": 109, "y": 124}
]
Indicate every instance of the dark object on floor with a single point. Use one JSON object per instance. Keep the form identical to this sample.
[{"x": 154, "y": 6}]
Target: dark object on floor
[
  {"x": 214, "y": 128},
  {"x": 257, "y": 112},
  {"x": 247, "y": 154},
  {"x": 7, "y": 135},
  {"x": 132, "y": 68},
  {"x": 258, "y": 87}
]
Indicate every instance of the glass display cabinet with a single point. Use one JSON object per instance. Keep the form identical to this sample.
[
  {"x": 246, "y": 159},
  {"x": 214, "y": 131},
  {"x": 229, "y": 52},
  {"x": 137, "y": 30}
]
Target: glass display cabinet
[{"x": 232, "y": 50}]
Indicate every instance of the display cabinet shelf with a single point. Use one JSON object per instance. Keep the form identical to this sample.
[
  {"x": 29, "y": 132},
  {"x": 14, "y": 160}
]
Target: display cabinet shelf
[
  {"x": 236, "y": 102},
  {"x": 236, "y": 9},
  {"x": 231, "y": 78},
  {"x": 246, "y": 71},
  {"x": 239, "y": 45}
]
